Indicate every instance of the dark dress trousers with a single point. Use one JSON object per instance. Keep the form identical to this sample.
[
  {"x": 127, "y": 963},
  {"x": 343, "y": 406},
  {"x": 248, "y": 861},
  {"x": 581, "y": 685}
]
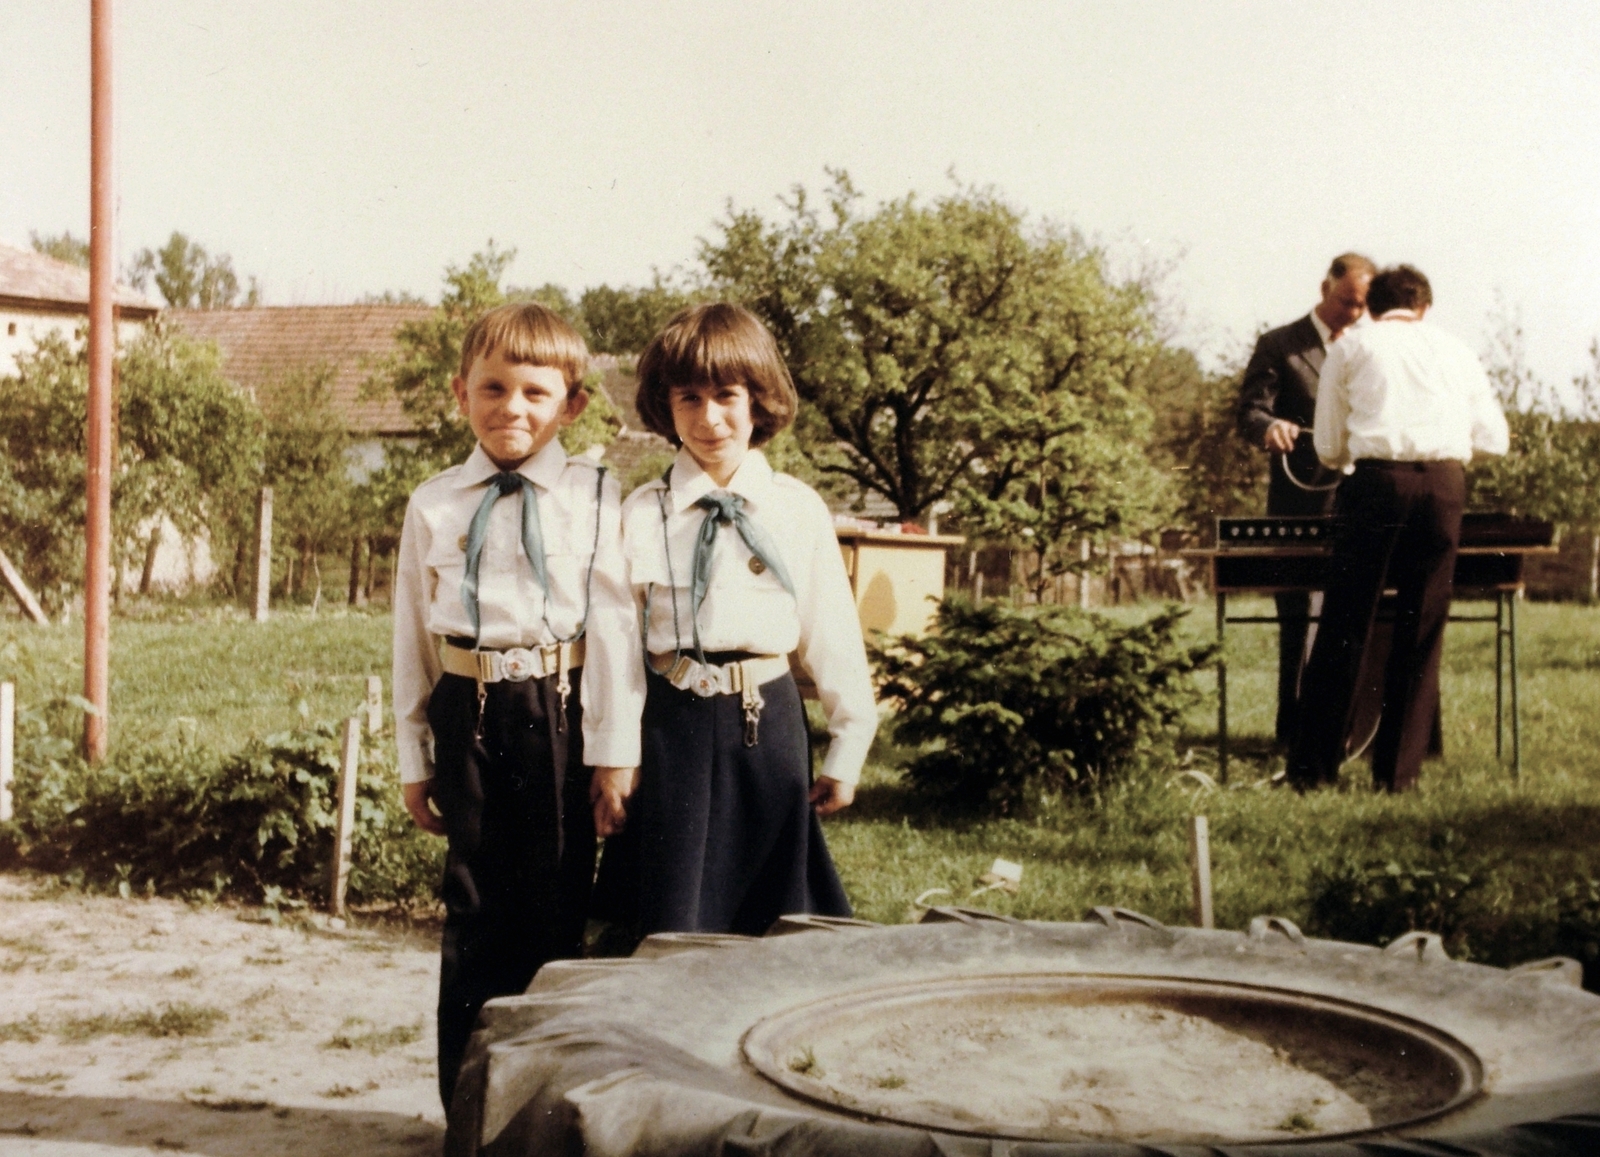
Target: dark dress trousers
[
  {"x": 1281, "y": 382},
  {"x": 1399, "y": 526}
]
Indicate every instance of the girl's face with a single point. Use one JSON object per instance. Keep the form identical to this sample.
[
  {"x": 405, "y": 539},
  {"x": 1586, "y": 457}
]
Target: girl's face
[{"x": 713, "y": 422}]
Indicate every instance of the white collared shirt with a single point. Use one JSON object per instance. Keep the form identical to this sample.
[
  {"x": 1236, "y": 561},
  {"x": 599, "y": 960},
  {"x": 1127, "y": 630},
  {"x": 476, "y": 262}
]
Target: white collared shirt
[
  {"x": 748, "y": 609},
  {"x": 1404, "y": 390},
  {"x": 511, "y": 604}
]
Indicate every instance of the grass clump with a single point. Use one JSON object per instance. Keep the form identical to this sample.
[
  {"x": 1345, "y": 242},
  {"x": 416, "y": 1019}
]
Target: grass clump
[
  {"x": 375, "y": 1040},
  {"x": 169, "y": 1020}
]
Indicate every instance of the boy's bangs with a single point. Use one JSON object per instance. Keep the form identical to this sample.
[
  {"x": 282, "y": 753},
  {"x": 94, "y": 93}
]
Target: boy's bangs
[{"x": 527, "y": 335}]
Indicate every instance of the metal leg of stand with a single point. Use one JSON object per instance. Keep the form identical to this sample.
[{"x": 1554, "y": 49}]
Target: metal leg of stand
[
  {"x": 1516, "y": 713},
  {"x": 1499, "y": 671},
  {"x": 1222, "y": 688}
]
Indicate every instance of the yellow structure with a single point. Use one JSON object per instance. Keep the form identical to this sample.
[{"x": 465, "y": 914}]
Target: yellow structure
[{"x": 898, "y": 579}]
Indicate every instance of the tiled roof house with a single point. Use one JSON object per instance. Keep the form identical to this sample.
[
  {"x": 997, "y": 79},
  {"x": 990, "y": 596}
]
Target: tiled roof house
[{"x": 40, "y": 295}]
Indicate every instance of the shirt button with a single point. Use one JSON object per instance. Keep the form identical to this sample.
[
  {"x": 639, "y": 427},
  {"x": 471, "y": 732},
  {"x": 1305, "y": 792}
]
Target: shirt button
[{"x": 756, "y": 565}]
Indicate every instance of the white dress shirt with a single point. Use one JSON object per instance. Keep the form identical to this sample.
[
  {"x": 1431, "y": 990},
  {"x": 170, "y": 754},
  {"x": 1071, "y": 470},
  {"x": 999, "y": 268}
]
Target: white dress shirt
[
  {"x": 1404, "y": 390},
  {"x": 511, "y": 604},
  {"x": 749, "y": 611}
]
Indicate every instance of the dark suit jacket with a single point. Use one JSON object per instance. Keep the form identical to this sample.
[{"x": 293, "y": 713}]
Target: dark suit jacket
[{"x": 1281, "y": 382}]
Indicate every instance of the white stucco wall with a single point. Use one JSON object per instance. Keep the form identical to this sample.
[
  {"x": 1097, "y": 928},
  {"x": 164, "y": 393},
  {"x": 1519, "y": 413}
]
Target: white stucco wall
[{"x": 20, "y": 331}]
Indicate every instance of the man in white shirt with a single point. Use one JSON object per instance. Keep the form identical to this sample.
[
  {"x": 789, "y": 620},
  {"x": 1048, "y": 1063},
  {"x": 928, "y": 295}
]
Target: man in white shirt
[{"x": 1407, "y": 404}]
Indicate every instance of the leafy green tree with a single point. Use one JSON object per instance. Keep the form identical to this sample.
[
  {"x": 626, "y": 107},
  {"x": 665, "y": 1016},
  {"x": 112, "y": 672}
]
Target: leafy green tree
[
  {"x": 189, "y": 277},
  {"x": 622, "y": 321},
  {"x": 187, "y": 451},
  {"x": 1196, "y": 439},
  {"x": 429, "y": 356},
  {"x": 307, "y": 465},
  {"x": 62, "y": 246},
  {"x": 189, "y": 446},
  {"x": 954, "y": 352}
]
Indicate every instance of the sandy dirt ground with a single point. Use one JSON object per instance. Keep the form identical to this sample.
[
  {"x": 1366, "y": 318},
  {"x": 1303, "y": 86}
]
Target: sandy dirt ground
[{"x": 152, "y": 1027}]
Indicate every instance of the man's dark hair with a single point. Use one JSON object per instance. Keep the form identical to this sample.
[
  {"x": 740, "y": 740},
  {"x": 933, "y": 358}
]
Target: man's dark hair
[
  {"x": 1398, "y": 287},
  {"x": 1348, "y": 262}
]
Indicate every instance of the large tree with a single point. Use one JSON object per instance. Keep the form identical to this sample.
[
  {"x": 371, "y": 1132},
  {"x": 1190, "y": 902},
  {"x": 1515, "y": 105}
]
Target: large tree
[
  {"x": 191, "y": 278},
  {"x": 952, "y": 351},
  {"x": 187, "y": 452}
]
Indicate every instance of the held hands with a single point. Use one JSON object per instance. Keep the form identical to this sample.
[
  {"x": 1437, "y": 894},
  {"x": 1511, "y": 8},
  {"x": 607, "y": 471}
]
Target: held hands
[
  {"x": 1281, "y": 435},
  {"x": 830, "y": 795},
  {"x": 418, "y": 796},
  {"x": 609, "y": 789}
]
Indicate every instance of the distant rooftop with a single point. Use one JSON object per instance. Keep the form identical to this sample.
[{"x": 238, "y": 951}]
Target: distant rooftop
[
  {"x": 263, "y": 344},
  {"x": 34, "y": 281}
]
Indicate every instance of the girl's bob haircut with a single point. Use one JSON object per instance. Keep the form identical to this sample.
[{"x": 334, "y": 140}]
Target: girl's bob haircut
[
  {"x": 723, "y": 345},
  {"x": 527, "y": 333}
]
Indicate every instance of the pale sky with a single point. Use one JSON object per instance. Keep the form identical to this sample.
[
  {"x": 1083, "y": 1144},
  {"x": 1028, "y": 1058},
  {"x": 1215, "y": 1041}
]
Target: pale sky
[{"x": 336, "y": 149}]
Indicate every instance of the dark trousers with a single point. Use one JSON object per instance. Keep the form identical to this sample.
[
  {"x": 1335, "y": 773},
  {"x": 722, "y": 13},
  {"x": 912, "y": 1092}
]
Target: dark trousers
[
  {"x": 1294, "y": 607},
  {"x": 1400, "y": 523},
  {"x": 522, "y": 847},
  {"x": 720, "y": 837}
]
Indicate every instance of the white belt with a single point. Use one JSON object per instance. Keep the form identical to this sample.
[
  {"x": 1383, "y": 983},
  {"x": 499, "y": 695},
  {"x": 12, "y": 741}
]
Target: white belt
[
  {"x": 743, "y": 678},
  {"x": 514, "y": 665},
  {"x": 708, "y": 679}
]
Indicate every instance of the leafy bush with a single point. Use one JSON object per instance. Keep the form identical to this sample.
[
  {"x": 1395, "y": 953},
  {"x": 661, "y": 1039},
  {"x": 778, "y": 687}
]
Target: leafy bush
[
  {"x": 1006, "y": 700},
  {"x": 1375, "y": 903},
  {"x": 257, "y": 824}
]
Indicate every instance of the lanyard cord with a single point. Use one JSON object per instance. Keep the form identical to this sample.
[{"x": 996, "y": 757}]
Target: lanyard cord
[
  {"x": 588, "y": 578},
  {"x": 672, "y": 584}
]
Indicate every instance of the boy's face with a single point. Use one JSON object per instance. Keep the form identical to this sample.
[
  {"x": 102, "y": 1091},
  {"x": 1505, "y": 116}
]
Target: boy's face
[
  {"x": 713, "y": 422},
  {"x": 515, "y": 408}
]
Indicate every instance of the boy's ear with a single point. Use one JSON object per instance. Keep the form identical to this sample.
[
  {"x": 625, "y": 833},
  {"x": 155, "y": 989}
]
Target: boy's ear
[
  {"x": 458, "y": 387},
  {"x": 576, "y": 405}
]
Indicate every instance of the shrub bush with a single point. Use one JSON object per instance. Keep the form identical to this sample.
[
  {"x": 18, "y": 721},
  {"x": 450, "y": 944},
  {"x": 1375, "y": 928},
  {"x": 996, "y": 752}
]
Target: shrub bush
[
  {"x": 1376, "y": 903},
  {"x": 1007, "y": 700},
  {"x": 256, "y": 825}
]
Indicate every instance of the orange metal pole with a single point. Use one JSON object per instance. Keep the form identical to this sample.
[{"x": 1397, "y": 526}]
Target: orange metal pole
[{"x": 102, "y": 350}]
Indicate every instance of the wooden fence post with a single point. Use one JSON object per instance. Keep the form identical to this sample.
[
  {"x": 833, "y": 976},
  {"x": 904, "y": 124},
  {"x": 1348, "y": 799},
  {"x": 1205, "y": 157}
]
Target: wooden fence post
[
  {"x": 344, "y": 832},
  {"x": 1200, "y": 870},
  {"x": 263, "y": 584},
  {"x": 8, "y": 732},
  {"x": 13, "y": 579},
  {"x": 374, "y": 704}
]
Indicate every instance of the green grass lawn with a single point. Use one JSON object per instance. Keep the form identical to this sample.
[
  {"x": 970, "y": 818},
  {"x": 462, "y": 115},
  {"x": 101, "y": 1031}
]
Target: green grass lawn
[{"x": 211, "y": 675}]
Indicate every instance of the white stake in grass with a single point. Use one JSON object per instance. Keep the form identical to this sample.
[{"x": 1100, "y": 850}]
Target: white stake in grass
[
  {"x": 8, "y": 733},
  {"x": 344, "y": 833},
  {"x": 1200, "y": 870}
]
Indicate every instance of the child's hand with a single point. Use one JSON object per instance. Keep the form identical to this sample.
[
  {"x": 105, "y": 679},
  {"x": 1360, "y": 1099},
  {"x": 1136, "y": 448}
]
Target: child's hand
[
  {"x": 830, "y": 795},
  {"x": 417, "y": 796},
  {"x": 609, "y": 790}
]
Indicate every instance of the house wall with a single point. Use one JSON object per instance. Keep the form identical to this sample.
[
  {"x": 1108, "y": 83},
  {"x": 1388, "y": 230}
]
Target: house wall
[{"x": 21, "y": 329}]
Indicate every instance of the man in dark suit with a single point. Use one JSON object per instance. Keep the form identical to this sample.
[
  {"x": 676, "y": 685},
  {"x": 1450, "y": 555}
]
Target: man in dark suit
[{"x": 1276, "y": 404}]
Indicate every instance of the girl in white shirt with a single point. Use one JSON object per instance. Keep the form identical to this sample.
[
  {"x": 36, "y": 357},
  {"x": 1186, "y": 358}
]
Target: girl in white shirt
[{"x": 733, "y": 567}]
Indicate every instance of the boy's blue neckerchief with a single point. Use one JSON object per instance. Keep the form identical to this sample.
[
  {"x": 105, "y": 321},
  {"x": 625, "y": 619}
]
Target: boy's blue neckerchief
[{"x": 500, "y": 485}]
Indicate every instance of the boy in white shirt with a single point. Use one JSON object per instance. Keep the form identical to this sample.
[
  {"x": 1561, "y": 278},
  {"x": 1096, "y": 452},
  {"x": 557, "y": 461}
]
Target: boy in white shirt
[{"x": 512, "y": 624}]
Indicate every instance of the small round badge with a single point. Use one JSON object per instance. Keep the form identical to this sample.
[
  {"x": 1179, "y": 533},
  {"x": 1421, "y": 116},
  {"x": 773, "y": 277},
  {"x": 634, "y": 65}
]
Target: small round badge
[
  {"x": 756, "y": 565},
  {"x": 461, "y": 543}
]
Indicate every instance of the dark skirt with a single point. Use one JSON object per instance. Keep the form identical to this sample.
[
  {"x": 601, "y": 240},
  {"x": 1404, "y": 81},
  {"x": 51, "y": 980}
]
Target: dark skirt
[{"x": 720, "y": 837}]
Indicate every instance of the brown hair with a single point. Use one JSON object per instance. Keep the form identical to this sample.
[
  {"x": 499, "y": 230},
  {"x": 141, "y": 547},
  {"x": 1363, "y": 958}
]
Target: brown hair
[
  {"x": 722, "y": 344},
  {"x": 1399, "y": 287},
  {"x": 527, "y": 333},
  {"x": 1351, "y": 262}
]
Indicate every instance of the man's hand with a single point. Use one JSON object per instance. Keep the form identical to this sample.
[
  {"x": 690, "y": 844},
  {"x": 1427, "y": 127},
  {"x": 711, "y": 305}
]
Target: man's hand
[
  {"x": 609, "y": 790},
  {"x": 830, "y": 795},
  {"x": 417, "y": 796},
  {"x": 1281, "y": 435}
]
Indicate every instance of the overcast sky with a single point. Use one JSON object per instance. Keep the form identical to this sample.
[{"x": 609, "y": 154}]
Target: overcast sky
[{"x": 338, "y": 149}]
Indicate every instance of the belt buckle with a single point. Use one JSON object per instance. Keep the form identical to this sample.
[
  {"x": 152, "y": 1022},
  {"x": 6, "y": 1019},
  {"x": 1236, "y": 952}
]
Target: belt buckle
[
  {"x": 517, "y": 665},
  {"x": 705, "y": 682}
]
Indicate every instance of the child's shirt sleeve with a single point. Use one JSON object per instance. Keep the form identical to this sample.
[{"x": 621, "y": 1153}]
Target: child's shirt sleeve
[
  {"x": 416, "y": 651},
  {"x": 613, "y": 670},
  {"x": 832, "y": 650}
]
